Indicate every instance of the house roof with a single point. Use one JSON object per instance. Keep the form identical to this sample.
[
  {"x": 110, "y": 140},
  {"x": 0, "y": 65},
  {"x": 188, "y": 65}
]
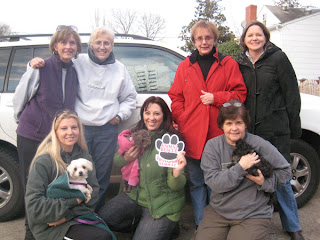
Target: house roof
[{"x": 290, "y": 13}]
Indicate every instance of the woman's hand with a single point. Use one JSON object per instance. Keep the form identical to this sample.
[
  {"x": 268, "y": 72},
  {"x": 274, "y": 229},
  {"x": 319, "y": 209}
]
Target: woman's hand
[
  {"x": 79, "y": 200},
  {"x": 247, "y": 161},
  {"x": 132, "y": 154},
  {"x": 57, "y": 223},
  {"x": 257, "y": 179},
  {"x": 37, "y": 62},
  {"x": 182, "y": 162},
  {"x": 115, "y": 121},
  {"x": 206, "y": 98}
]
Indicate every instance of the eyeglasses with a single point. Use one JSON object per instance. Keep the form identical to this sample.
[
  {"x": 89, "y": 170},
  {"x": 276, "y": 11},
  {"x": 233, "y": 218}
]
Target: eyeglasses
[
  {"x": 63, "y": 27},
  {"x": 207, "y": 39},
  {"x": 236, "y": 104},
  {"x": 100, "y": 44}
]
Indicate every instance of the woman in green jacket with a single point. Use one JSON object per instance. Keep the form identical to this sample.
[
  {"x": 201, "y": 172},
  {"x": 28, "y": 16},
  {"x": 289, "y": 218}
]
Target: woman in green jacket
[
  {"x": 153, "y": 207},
  {"x": 55, "y": 218}
]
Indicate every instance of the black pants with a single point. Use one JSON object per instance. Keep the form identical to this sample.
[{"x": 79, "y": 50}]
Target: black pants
[
  {"x": 27, "y": 148},
  {"x": 87, "y": 232}
]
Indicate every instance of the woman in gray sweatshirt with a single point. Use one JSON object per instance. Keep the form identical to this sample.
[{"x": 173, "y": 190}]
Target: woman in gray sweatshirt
[{"x": 238, "y": 207}]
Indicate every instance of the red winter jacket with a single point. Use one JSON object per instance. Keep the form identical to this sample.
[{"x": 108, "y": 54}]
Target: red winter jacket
[{"x": 196, "y": 121}]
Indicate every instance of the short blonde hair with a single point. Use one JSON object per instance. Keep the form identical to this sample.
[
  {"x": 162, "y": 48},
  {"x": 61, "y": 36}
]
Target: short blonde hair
[
  {"x": 101, "y": 30},
  {"x": 205, "y": 24}
]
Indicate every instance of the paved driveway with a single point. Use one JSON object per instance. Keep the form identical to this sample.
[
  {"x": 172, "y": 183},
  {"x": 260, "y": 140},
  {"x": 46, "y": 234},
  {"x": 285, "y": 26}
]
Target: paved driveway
[{"x": 309, "y": 217}]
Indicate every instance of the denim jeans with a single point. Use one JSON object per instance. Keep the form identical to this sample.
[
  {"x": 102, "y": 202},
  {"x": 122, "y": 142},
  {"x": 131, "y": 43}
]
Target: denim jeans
[
  {"x": 199, "y": 191},
  {"x": 120, "y": 211},
  {"x": 288, "y": 209},
  {"x": 102, "y": 142}
]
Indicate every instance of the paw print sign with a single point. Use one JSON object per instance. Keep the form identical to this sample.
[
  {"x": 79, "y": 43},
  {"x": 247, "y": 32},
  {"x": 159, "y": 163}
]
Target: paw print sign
[{"x": 168, "y": 148}]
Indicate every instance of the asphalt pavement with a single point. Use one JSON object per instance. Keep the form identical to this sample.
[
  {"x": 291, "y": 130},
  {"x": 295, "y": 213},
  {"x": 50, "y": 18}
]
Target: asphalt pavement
[{"x": 309, "y": 218}]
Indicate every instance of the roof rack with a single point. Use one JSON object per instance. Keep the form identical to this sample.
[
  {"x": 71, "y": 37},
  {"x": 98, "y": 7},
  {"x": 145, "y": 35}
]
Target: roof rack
[{"x": 15, "y": 38}]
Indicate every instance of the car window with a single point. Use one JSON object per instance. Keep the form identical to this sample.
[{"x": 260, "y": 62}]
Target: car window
[
  {"x": 19, "y": 65},
  {"x": 20, "y": 60},
  {"x": 4, "y": 57},
  {"x": 151, "y": 69},
  {"x": 42, "y": 52}
]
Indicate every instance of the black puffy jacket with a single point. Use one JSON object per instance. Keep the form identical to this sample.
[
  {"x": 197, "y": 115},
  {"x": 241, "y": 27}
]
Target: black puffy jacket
[{"x": 273, "y": 98}]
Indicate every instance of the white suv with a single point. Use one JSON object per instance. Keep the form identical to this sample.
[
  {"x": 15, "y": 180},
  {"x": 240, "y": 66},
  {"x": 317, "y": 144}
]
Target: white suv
[{"x": 152, "y": 67}]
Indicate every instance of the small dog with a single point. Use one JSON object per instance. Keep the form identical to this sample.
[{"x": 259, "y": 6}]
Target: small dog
[
  {"x": 78, "y": 172},
  {"x": 242, "y": 148},
  {"x": 140, "y": 139}
]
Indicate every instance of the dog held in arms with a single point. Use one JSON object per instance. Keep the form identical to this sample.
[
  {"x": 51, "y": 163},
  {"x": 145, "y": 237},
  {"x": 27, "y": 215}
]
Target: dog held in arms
[
  {"x": 242, "y": 148},
  {"x": 127, "y": 139},
  {"x": 78, "y": 172}
]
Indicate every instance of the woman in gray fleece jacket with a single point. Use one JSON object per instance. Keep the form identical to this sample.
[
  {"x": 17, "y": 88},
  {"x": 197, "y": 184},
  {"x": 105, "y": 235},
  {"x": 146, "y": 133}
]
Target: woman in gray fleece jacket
[{"x": 238, "y": 207}]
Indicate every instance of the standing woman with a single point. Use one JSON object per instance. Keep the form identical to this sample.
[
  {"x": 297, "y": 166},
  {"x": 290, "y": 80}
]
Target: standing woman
[
  {"x": 273, "y": 102},
  {"x": 42, "y": 92},
  {"x": 55, "y": 218},
  {"x": 106, "y": 96},
  {"x": 203, "y": 82}
]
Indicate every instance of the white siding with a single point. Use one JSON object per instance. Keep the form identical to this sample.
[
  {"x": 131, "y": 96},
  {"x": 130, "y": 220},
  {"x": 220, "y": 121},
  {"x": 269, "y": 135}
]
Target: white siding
[
  {"x": 267, "y": 15},
  {"x": 300, "y": 40}
]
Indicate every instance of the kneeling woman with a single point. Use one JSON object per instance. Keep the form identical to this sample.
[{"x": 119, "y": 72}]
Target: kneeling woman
[
  {"x": 238, "y": 206},
  {"x": 155, "y": 204},
  {"x": 53, "y": 218}
]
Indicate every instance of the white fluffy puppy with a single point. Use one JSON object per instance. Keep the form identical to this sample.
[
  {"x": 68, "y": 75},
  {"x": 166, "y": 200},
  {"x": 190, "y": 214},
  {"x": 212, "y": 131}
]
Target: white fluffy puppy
[{"x": 78, "y": 172}]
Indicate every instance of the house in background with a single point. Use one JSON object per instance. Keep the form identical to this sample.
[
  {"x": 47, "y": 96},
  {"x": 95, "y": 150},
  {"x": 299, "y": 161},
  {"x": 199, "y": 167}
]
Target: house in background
[{"x": 297, "y": 32}]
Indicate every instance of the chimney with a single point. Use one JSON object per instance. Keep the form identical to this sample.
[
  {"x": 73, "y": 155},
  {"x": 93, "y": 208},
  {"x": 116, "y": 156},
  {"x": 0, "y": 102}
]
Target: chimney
[{"x": 251, "y": 13}]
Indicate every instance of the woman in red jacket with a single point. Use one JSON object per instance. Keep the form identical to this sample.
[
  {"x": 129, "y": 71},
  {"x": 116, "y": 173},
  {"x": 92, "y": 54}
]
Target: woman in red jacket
[{"x": 203, "y": 82}]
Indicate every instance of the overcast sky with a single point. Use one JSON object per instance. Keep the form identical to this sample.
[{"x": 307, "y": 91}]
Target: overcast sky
[{"x": 39, "y": 16}]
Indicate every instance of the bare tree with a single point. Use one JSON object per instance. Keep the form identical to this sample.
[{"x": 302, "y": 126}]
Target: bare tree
[
  {"x": 151, "y": 25},
  {"x": 123, "y": 20},
  {"x": 127, "y": 21},
  {"x": 5, "y": 29},
  {"x": 99, "y": 20}
]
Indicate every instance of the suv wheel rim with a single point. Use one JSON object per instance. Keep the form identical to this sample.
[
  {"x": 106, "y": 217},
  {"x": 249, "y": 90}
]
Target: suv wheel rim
[
  {"x": 6, "y": 187},
  {"x": 300, "y": 174}
]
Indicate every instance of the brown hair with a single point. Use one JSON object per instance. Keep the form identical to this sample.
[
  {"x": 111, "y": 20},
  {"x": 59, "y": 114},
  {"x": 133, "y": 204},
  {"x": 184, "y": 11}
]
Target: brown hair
[
  {"x": 167, "y": 116},
  {"x": 63, "y": 35},
  {"x": 205, "y": 24},
  {"x": 233, "y": 109},
  {"x": 253, "y": 23}
]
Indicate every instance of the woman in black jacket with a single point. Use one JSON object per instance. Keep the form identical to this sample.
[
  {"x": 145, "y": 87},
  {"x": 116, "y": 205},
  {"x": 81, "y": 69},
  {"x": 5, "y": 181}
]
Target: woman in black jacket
[{"x": 273, "y": 101}]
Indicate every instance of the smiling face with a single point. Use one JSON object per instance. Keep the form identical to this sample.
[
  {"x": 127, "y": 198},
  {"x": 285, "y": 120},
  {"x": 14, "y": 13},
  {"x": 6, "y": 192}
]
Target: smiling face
[
  {"x": 66, "y": 49},
  {"x": 153, "y": 116},
  {"x": 255, "y": 39},
  {"x": 102, "y": 46},
  {"x": 204, "y": 40},
  {"x": 68, "y": 133},
  {"x": 234, "y": 130}
]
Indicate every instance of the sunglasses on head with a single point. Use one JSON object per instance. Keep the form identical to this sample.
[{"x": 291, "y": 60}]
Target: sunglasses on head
[
  {"x": 63, "y": 27},
  {"x": 67, "y": 111},
  {"x": 236, "y": 104}
]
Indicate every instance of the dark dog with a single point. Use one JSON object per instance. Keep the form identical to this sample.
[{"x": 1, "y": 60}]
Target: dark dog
[
  {"x": 242, "y": 148},
  {"x": 140, "y": 139}
]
